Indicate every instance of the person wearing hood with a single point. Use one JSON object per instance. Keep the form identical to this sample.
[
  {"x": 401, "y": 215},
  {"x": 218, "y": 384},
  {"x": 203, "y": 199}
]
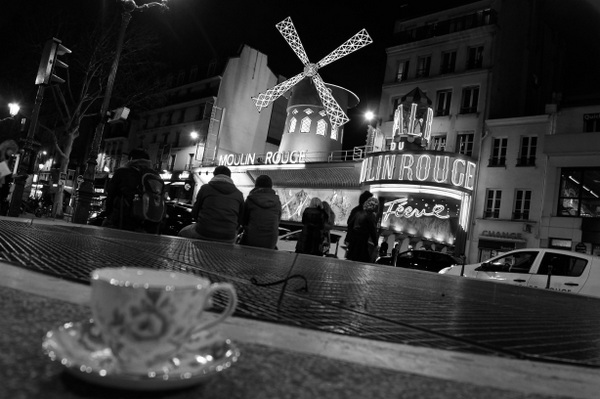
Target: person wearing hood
[
  {"x": 218, "y": 209},
  {"x": 121, "y": 190},
  {"x": 262, "y": 213}
]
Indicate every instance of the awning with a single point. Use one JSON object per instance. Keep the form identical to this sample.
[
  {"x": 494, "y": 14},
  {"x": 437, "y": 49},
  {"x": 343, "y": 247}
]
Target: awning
[{"x": 329, "y": 177}]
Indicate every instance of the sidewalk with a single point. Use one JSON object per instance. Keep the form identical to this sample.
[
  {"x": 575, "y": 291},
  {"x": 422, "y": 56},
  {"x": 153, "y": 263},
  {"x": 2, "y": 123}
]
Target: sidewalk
[{"x": 444, "y": 324}]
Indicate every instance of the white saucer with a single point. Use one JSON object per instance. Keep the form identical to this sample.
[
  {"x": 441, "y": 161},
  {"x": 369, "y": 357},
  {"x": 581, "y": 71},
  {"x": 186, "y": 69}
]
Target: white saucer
[{"x": 80, "y": 348}]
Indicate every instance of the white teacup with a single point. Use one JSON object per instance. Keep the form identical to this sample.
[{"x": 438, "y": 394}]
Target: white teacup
[{"x": 145, "y": 316}]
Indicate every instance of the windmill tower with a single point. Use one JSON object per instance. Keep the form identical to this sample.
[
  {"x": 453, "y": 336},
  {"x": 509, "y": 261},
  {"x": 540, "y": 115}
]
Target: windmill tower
[{"x": 315, "y": 112}]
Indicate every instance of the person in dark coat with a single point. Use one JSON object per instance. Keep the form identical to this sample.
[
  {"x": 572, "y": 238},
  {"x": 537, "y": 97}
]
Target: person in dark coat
[
  {"x": 361, "y": 200},
  {"x": 218, "y": 209},
  {"x": 121, "y": 190},
  {"x": 364, "y": 232},
  {"x": 313, "y": 221},
  {"x": 261, "y": 215}
]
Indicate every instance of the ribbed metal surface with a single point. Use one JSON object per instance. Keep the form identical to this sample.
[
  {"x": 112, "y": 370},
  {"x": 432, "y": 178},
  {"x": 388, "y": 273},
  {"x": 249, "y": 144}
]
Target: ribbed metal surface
[{"x": 375, "y": 302}]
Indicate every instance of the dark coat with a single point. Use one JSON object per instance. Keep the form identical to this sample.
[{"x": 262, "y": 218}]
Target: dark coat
[
  {"x": 364, "y": 229},
  {"x": 350, "y": 222},
  {"x": 311, "y": 238},
  {"x": 218, "y": 210},
  {"x": 120, "y": 192},
  {"x": 261, "y": 216}
]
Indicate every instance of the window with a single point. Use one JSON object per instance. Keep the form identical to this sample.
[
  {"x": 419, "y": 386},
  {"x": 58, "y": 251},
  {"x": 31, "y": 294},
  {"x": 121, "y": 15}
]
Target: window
[
  {"x": 470, "y": 97},
  {"x": 579, "y": 192},
  {"x": 423, "y": 65},
  {"x": 438, "y": 143},
  {"x": 527, "y": 151},
  {"x": 448, "y": 62},
  {"x": 562, "y": 265},
  {"x": 518, "y": 262},
  {"x": 321, "y": 127},
  {"x": 492, "y": 204},
  {"x": 292, "y": 125},
  {"x": 402, "y": 71},
  {"x": 465, "y": 143},
  {"x": 475, "y": 57},
  {"x": 591, "y": 122},
  {"x": 334, "y": 133},
  {"x": 498, "y": 152},
  {"x": 444, "y": 98},
  {"x": 522, "y": 205},
  {"x": 305, "y": 125}
]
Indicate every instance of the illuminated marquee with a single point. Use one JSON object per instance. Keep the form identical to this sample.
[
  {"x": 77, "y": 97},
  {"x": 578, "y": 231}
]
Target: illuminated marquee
[
  {"x": 421, "y": 167},
  {"x": 271, "y": 158}
]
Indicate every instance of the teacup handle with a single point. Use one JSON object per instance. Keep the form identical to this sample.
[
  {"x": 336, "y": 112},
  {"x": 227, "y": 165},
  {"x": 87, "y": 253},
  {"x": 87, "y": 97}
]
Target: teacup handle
[{"x": 231, "y": 304}]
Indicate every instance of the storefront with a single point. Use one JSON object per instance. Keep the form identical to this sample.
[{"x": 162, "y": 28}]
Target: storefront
[
  {"x": 425, "y": 197},
  {"x": 179, "y": 186}
]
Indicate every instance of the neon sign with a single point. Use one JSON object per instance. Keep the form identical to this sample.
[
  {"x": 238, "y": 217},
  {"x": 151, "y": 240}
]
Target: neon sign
[
  {"x": 403, "y": 211},
  {"x": 271, "y": 158},
  {"x": 419, "y": 167}
]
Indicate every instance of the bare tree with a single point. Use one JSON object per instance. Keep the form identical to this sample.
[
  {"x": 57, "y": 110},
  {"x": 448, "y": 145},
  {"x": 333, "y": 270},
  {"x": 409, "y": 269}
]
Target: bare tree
[{"x": 79, "y": 98}]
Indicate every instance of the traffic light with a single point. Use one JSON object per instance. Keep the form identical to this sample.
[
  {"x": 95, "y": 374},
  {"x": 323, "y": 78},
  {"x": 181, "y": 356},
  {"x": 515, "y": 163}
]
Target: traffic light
[{"x": 52, "y": 50}]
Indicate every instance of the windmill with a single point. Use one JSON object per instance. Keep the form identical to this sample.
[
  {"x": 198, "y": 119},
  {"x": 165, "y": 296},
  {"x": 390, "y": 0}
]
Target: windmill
[{"x": 336, "y": 115}]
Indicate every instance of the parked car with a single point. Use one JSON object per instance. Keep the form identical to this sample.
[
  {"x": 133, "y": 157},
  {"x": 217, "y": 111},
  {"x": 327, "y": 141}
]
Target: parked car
[
  {"x": 545, "y": 268},
  {"x": 337, "y": 249},
  {"x": 177, "y": 216},
  {"x": 421, "y": 259}
]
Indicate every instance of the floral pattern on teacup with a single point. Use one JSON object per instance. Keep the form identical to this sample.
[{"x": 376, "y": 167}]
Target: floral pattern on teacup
[{"x": 148, "y": 327}]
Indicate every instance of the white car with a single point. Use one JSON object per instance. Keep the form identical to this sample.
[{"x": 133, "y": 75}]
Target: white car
[
  {"x": 544, "y": 268},
  {"x": 337, "y": 249}
]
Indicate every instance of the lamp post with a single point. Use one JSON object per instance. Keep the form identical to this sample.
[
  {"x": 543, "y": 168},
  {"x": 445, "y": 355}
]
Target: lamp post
[
  {"x": 195, "y": 136},
  {"x": 85, "y": 193},
  {"x": 13, "y": 110},
  {"x": 375, "y": 138}
]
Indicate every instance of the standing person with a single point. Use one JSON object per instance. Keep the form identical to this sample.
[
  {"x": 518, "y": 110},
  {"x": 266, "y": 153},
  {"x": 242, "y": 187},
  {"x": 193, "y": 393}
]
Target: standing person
[
  {"x": 7, "y": 149},
  {"x": 261, "y": 215},
  {"x": 361, "y": 200},
  {"x": 121, "y": 191},
  {"x": 218, "y": 209},
  {"x": 313, "y": 220},
  {"x": 383, "y": 249},
  {"x": 329, "y": 223},
  {"x": 364, "y": 233}
]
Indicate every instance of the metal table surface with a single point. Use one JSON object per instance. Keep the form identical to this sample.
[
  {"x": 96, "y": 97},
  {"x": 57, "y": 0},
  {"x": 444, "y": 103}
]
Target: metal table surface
[{"x": 327, "y": 294}]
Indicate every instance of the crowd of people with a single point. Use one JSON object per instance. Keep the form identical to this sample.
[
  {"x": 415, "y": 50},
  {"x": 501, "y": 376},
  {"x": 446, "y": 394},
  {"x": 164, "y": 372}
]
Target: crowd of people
[{"x": 223, "y": 215}]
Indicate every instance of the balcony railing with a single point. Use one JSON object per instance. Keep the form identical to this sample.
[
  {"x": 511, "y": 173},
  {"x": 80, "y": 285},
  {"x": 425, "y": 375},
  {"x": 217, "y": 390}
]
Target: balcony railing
[
  {"x": 520, "y": 215},
  {"x": 526, "y": 161},
  {"x": 494, "y": 214},
  {"x": 497, "y": 161}
]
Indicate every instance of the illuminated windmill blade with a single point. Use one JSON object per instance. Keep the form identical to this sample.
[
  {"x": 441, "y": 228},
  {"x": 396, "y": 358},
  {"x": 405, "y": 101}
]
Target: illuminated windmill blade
[
  {"x": 264, "y": 99},
  {"x": 337, "y": 117},
  {"x": 288, "y": 31},
  {"x": 356, "y": 42}
]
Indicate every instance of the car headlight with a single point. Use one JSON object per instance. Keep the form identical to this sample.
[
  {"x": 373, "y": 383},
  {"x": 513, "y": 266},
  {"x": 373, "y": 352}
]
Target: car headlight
[{"x": 445, "y": 270}]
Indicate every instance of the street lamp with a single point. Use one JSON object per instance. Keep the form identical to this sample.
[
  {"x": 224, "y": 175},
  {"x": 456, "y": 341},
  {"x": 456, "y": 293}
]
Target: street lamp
[
  {"x": 195, "y": 136},
  {"x": 375, "y": 137},
  {"x": 85, "y": 193},
  {"x": 13, "y": 110}
]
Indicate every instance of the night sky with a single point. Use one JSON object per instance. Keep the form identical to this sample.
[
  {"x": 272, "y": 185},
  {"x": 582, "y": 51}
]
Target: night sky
[{"x": 196, "y": 31}]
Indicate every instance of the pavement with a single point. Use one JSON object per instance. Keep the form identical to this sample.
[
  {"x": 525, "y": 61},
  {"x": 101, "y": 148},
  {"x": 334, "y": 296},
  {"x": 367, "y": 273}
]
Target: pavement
[{"x": 381, "y": 303}]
